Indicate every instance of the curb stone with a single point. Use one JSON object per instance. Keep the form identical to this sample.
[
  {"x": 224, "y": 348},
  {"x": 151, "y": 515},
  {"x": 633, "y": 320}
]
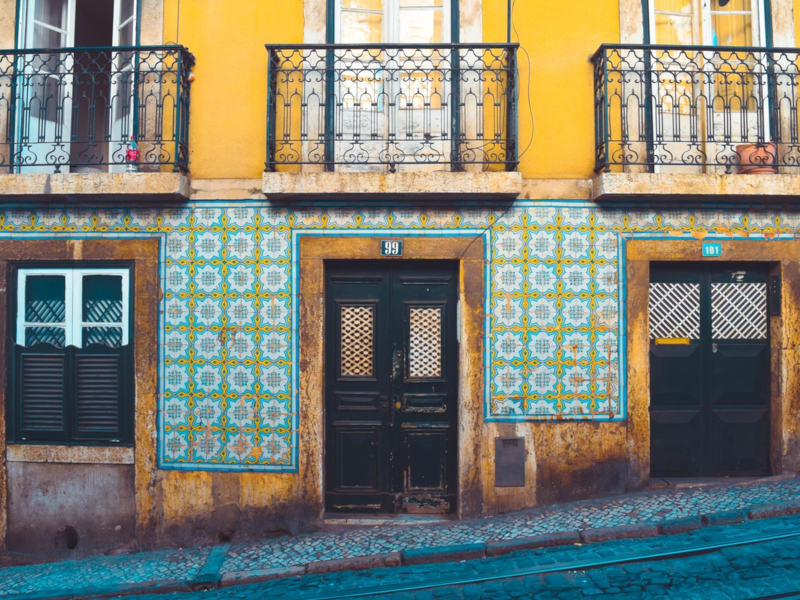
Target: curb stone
[
  {"x": 444, "y": 553},
  {"x": 356, "y": 563},
  {"x": 776, "y": 509},
  {"x": 545, "y": 540},
  {"x": 260, "y": 575},
  {"x": 729, "y": 517},
  {"x": 618, "y": 532},
  {"x": 680, "y": 525}
]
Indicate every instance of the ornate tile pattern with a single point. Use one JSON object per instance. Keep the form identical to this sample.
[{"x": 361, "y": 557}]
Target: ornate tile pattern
[{"x": 226, "y": 343}]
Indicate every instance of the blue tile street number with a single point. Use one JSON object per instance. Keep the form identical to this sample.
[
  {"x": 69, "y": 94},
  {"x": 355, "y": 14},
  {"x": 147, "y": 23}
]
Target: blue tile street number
[
  {"x": 712, "y": 249},
  {"x": 391, "y": 248}
]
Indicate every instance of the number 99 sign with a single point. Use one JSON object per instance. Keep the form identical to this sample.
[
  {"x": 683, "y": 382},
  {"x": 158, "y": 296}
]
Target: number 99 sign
[{"x": 391, "y": 248}]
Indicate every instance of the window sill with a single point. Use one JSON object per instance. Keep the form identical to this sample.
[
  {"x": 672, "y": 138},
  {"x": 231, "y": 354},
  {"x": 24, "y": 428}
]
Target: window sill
[{"x": 106, "y": 455}]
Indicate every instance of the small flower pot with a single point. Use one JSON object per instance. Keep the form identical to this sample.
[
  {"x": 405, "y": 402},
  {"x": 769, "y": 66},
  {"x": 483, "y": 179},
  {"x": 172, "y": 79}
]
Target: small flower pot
[{"x": 757, "y": 158}]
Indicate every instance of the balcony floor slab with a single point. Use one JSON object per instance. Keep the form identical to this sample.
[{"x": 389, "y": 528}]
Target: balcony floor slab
[
  {"x": 763, "y": 187},
  {"x": 59, "y": 187},
  {"x": 405, "y": 185}
]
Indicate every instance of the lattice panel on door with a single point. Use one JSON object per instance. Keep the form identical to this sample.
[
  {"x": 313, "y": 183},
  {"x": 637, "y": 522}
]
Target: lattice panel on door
[
  {"x": 358, "y": 333},
  {"x": 739, "y": 311},
  {"x": 425, "y": 342},
  {"x": 674, "y": 310}
]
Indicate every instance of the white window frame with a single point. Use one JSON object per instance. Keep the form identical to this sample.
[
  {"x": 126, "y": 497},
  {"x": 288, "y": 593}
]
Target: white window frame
[
  {"x": 702, "y": 10},
  {"x": 73, "y": 323},
  {"x": 390, "y": 30}
]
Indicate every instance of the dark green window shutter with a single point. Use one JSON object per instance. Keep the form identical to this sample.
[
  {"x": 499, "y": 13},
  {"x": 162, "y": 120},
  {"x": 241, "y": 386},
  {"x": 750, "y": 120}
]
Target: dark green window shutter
[
  {"x": 99, "y": 393},
  {"x": 40, "y": 382}
]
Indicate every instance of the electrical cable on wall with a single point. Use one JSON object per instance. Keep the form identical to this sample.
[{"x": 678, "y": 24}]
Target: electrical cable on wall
[{"x": 512, "y": 26}]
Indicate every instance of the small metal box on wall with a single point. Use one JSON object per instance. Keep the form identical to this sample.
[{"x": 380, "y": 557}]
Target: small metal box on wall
[{"x": 509, "y": 462}]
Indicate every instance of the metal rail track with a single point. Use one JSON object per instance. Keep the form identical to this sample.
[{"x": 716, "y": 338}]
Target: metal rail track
[{"x": 577, "y": 565}]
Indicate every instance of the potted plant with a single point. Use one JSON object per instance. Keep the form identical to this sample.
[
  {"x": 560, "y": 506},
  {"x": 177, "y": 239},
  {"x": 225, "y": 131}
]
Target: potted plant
[{"x": 759, "y": 157}]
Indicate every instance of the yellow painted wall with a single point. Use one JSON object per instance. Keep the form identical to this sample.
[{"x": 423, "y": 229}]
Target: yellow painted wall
[
  {"x": 228, "y": 97},
  {"x": 796, "y": 13},
  {"x": 228, "y": 105},
  {"x": 559, "y": 39}
]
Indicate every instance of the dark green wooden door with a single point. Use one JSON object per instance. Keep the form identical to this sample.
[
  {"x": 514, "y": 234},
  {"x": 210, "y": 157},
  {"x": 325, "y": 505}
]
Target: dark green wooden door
[
  {"x": 709, "y": 370},
  {"x": 391, "y": 373}
]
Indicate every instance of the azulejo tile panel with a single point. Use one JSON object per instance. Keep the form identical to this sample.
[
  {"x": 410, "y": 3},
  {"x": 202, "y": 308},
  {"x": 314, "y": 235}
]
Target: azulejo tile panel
[{"x": 227, "y": 334}]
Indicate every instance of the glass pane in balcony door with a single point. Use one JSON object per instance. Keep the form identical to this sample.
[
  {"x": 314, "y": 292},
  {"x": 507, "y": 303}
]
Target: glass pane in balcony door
[
  {"x": 674, "y": 22},
  {"x": 361, "y": 21},
  {"x": 732, "y": 24},
  {"x": 420, "y": 21},
  {"x": 52, "y": 13}
]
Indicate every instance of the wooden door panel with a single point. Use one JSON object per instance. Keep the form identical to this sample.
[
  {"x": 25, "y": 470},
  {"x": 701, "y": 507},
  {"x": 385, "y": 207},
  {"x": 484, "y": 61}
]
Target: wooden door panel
[
  {"x": 738, "y": 439},
  {"x": 740, "y": 374},
  {"x": 677, "y": 442},
  {"x": 357, "y": 401},
  {"x": 675, "y": 375},
  {"x": 357, "y": 456},
  {"x": 425, "y": 403}
]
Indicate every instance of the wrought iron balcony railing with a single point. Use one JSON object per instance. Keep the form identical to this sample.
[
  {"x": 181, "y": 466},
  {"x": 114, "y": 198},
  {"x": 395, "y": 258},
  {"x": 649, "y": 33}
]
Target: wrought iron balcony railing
[
  {"x": 88, "y": 109},
  {"x": 373, "y": 107},
  {"x": 696, "y": 108}
]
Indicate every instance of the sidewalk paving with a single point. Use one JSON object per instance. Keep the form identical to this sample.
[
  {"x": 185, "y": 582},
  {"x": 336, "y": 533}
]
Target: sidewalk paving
[{"x": 643, "y": 514}]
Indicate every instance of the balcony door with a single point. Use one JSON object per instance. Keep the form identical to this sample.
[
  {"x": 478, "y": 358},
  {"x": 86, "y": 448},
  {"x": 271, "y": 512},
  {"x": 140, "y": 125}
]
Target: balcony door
[
  {"x": 392, "y": 105},
  {"x": 707, "y": 102},
  {"x": 74, "y": 108}
]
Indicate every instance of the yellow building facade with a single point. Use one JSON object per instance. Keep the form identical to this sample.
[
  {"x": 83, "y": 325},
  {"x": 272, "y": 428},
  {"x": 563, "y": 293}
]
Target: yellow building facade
[{"x": 272, "y": 264}]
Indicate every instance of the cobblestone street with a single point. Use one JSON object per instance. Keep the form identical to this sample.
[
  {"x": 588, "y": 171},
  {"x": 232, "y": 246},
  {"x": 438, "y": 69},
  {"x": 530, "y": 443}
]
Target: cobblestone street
[
  {"x": 751, "y": 568},
  {"x": 641, "y": 515}
]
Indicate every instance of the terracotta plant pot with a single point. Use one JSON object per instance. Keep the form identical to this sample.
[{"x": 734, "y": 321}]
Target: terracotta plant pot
[{"x": 757, "y": 158}]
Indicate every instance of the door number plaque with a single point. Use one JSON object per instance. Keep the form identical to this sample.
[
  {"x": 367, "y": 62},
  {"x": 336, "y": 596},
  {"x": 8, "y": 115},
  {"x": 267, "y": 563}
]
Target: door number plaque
[
  {"x": 712, "y": 249},
  {"x": 391, "y": 248}
]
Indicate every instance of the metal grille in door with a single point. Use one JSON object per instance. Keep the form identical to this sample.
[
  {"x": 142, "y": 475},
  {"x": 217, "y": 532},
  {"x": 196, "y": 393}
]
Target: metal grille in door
[
  {"x": 425, "y": 342},
  {"x": 739, "y": 311},
  {"x": 674, "y": 310},
  {"x": 358, "y": 326}
]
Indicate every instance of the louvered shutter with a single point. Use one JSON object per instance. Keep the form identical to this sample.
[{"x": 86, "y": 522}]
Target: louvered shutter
[
  {"x": 98, "y": 394},
  {"x": 41, "y": 378}
]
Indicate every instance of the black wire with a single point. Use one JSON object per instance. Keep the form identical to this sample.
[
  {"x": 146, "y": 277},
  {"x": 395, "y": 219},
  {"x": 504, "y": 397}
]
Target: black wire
[{"x": 528, "y": 82}]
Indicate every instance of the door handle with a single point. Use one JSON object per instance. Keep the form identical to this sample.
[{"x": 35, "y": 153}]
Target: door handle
[
  {"x": 714, "y": 347},
  {"x": 383, "y": 402},
  {"x": 397, "y": 364}
]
